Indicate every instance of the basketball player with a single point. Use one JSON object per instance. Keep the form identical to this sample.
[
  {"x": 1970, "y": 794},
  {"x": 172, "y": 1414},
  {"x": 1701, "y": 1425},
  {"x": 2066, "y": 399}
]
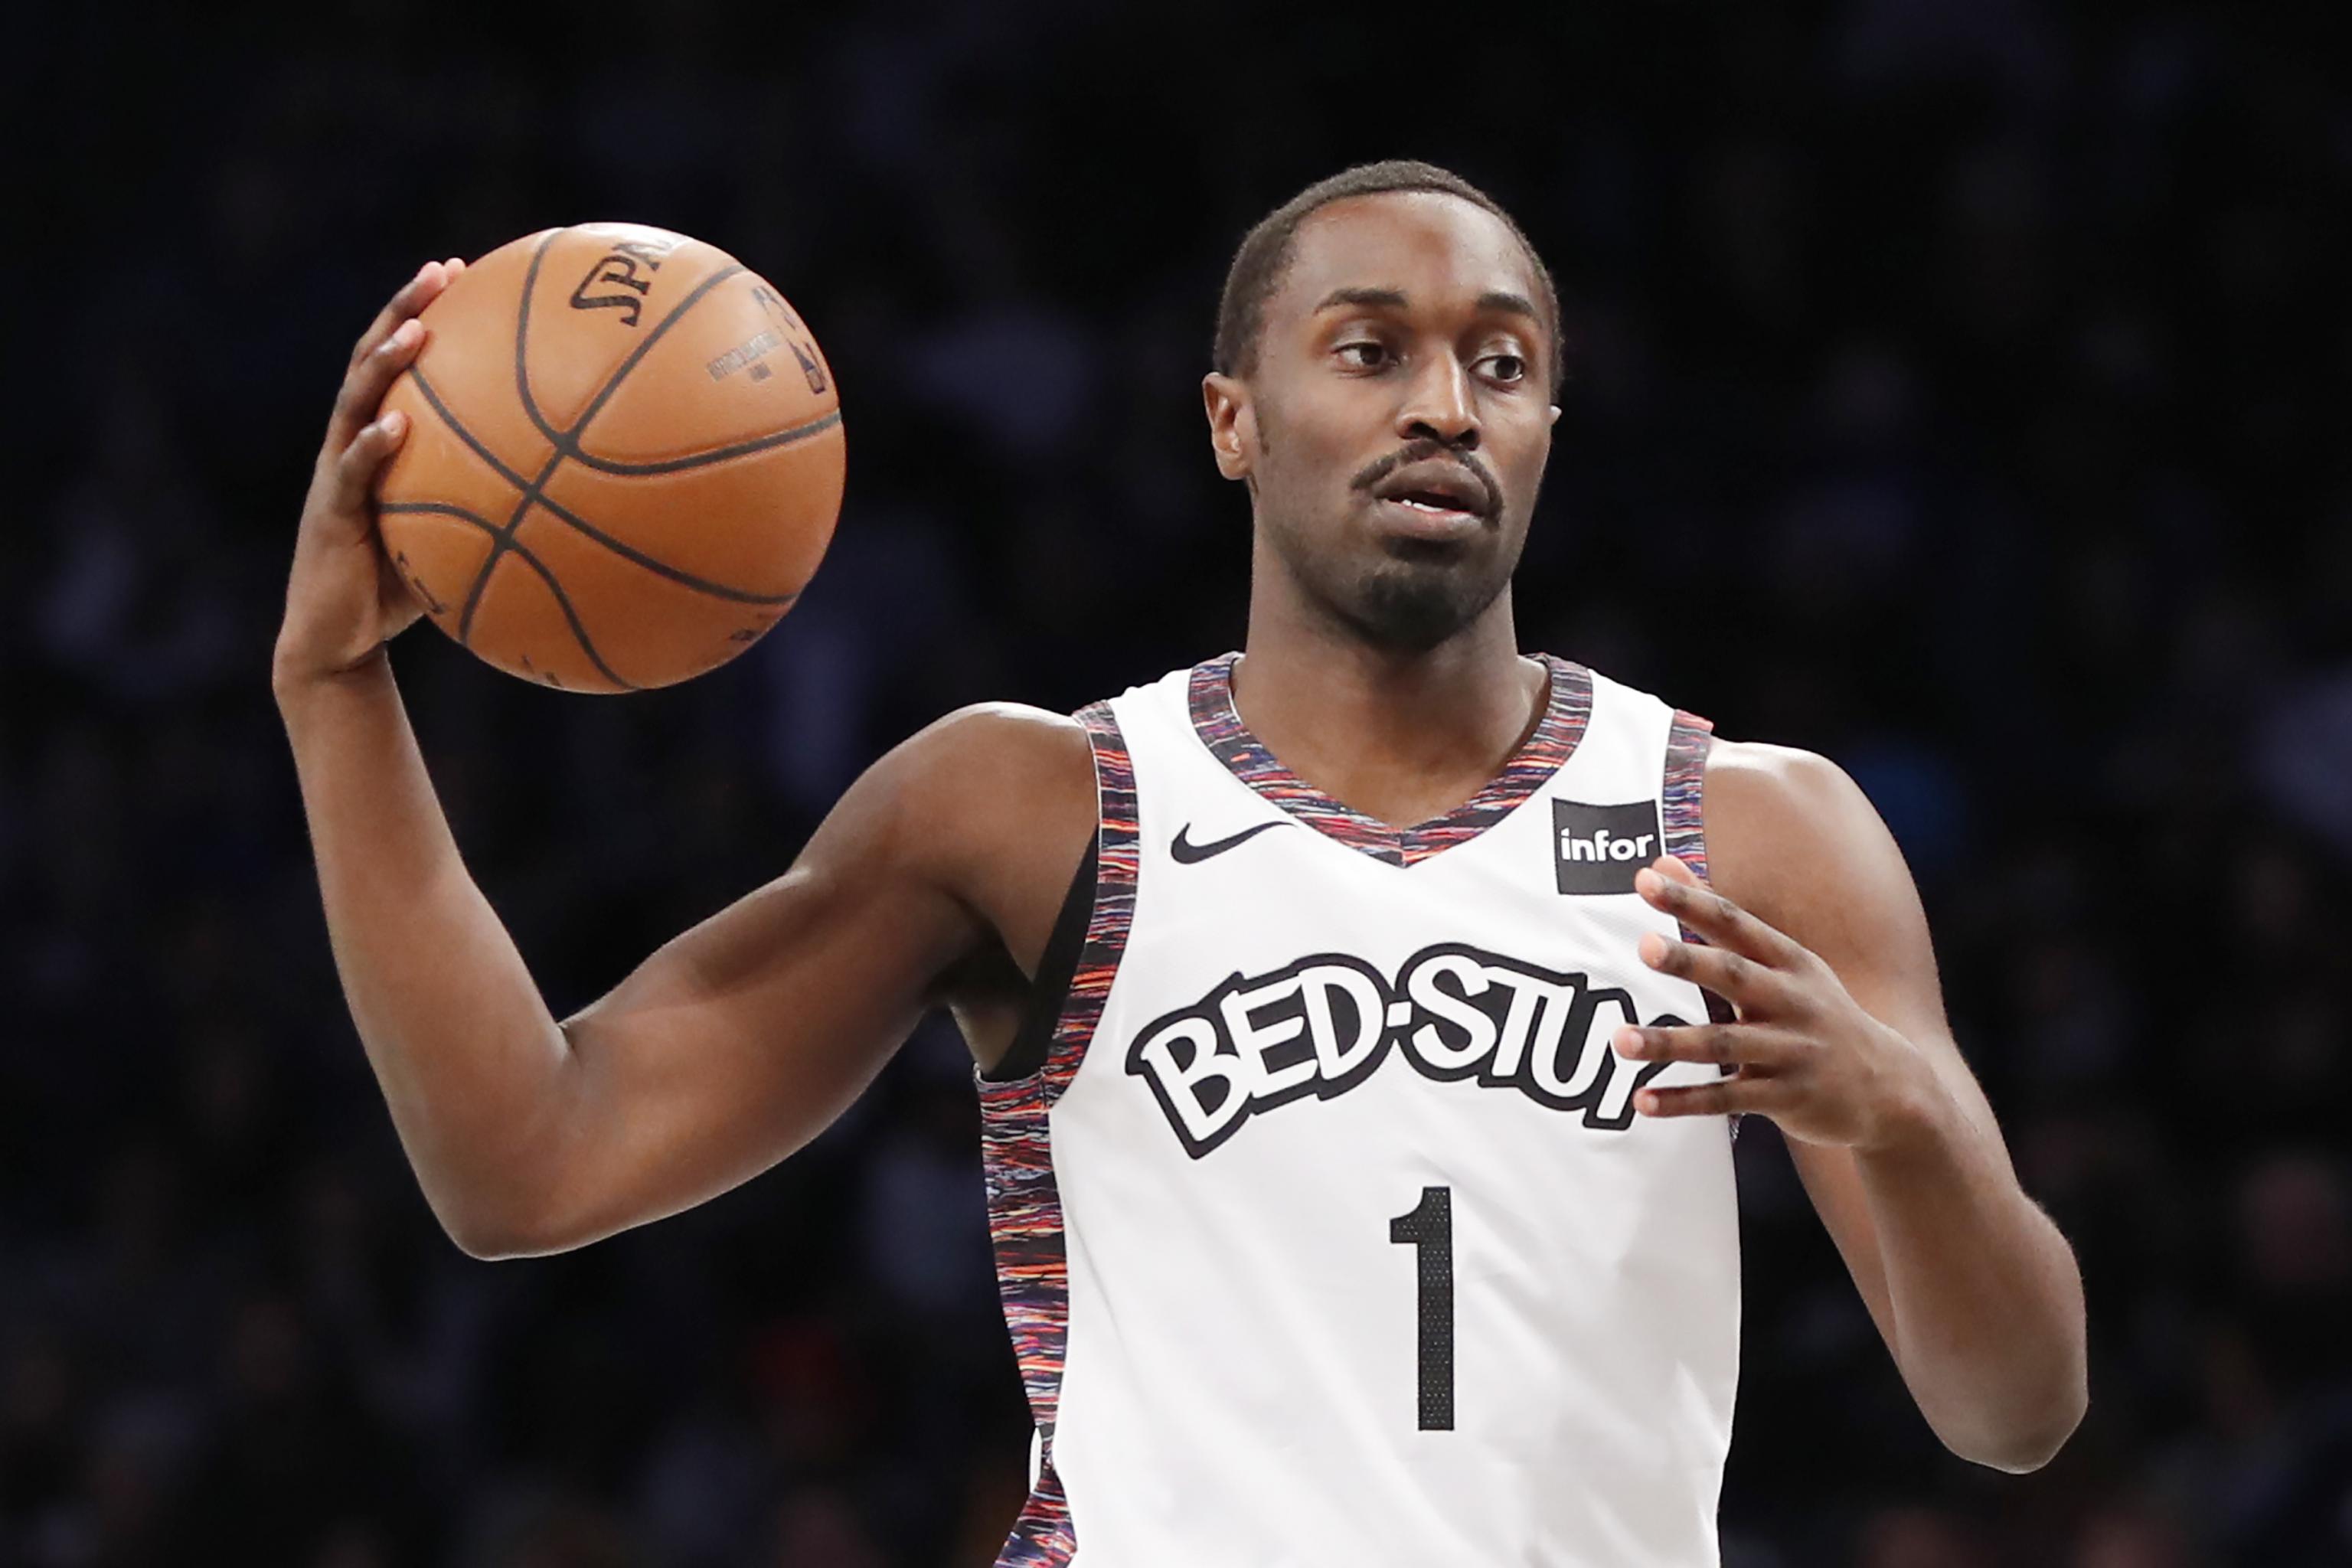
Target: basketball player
[{"x": 1356, "y": 1131}]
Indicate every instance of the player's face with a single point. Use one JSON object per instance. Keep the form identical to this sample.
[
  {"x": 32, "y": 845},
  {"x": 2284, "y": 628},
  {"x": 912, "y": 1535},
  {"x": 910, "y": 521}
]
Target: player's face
[{"x": 1395, "y": 429}]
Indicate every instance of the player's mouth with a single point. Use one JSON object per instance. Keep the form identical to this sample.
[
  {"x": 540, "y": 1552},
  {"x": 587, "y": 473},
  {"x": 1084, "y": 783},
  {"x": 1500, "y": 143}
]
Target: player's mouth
[{"x": 1434, "y": 499}]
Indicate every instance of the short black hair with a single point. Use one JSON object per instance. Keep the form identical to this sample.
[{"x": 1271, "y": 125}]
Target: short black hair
[{"x": 1264, "y": 252}]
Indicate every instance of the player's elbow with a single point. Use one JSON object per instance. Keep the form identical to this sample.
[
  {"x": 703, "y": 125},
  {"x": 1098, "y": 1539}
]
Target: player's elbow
[
  {"x": 491, "y": 1229},
  {"x": 524, "y": 1191},
  {"x": 497, "y": 1243},
  {"x": 484, "y": 1235},
  {"x": 2023, "y": 1451},
  {"x": 488, "y": 1243},
  {"x": 2026, "y": 1440}
]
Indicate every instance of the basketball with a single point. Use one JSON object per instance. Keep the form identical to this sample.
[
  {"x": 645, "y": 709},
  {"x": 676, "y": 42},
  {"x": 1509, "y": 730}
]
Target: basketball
[{"x": 624, "y": 460}]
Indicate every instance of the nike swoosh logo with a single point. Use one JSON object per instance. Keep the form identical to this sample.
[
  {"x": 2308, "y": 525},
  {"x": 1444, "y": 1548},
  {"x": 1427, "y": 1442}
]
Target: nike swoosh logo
[{"x": 1188, "y": 853}]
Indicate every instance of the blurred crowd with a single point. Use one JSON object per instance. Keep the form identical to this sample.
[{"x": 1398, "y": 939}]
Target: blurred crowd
[{"x": 1952, "y": 385}]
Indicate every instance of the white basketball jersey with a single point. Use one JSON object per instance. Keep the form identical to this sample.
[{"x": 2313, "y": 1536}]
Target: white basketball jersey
[{"x": 1327, "y": 1234}]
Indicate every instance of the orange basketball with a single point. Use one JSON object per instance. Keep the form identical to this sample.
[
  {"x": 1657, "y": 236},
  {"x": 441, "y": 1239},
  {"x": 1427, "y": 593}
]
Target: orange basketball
[{"x": 624, "y": 458}]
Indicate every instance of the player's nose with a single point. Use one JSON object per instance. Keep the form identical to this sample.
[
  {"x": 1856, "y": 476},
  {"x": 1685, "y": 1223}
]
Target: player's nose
[{"x": 1438, "y": 404}]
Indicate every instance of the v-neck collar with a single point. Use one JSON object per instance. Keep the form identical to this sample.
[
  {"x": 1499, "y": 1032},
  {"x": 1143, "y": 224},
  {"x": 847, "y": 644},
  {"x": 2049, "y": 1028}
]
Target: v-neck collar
[{"x": 1219, "y": 725}]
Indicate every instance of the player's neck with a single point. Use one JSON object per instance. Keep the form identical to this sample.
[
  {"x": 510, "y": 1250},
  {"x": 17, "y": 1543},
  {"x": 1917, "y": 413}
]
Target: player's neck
[{"x": 1402, "y": 737}]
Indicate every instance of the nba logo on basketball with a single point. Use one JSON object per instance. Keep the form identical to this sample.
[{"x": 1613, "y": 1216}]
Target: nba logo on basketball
[{"x": 1597, "y": 849}]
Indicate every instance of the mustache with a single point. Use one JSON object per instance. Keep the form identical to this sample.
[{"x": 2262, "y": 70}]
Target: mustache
[{"x": 1421, "y": 451}]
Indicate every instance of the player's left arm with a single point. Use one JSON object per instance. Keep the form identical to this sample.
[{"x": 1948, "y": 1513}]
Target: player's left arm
[{"x": 1814, "y": 934}]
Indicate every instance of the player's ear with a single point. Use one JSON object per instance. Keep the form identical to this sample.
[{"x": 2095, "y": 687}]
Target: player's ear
[
  {"x": 1554, "y": 417},
  {"x": 1233, "y": 423}
]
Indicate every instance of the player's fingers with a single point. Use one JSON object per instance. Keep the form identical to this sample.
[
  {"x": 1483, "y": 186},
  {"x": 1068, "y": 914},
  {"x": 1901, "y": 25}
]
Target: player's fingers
[
  {"x": 355, "y": 468},
  {"x": 1750, "y": 986},
  {"x": 1731, "y": 1097},
  {"x": 411, "y": 297},
  {"x": 1727, "y": 1045},
  {"x": 407, "y": 302},
  {"x": 1667, "y": 884},
  {"x": 364, "y": 387}
]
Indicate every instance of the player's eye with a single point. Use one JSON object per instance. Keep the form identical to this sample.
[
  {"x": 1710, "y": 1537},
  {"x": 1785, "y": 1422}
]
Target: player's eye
[
  {"x": 1509, "y": 369},
  {"x": 1363, "y": 355}
]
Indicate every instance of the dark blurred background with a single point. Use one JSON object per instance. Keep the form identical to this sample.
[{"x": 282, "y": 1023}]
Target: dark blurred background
[{"x": 1958, "y": 389}]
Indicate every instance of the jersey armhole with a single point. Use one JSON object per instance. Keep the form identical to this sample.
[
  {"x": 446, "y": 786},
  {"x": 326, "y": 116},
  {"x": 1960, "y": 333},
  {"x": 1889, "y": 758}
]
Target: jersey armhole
[
  {"x": 1683, "y": 793},
  {"x": 1689, "y": 738},
  {"x": 1056, "y": 969}
]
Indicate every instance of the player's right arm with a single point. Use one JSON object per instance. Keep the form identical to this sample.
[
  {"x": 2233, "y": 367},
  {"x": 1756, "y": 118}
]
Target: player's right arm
[{"x": 733, "y": 1045}]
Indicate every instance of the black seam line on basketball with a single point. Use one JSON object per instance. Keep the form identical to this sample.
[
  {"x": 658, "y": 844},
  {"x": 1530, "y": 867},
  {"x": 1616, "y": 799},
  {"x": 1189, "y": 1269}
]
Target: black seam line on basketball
[
  {"x": 716, "y": 455},
  {"x": 505, "y": 538},
  {"x": 533, "y": 489},
  {"x": 563, "y": 600},
  {"x": 569, "y": 442},
  {"x": 529, "y": 487},
  {"x": 661, "y": 569},
  {"x": 523, "y": 551},
  {"x": 523, "y": 338},
  {"x": 473, "y": 442}
]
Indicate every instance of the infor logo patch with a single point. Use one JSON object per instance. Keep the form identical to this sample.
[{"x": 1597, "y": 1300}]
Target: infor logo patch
[{"x": 1597, "y": 849}]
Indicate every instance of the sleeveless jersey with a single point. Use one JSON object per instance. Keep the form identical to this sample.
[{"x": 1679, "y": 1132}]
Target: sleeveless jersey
[{"x": 1326, "y": 1229}]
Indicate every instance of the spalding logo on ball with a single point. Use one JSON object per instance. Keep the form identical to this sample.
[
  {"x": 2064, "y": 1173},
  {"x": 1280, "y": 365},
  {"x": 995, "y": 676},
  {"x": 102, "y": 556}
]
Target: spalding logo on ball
[{"x": 624, "y": 458}]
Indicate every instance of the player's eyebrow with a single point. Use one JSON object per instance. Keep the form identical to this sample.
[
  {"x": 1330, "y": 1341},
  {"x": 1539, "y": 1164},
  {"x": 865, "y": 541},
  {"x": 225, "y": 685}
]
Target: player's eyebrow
[
  {"x": 1386, "y": 298},
  {"x": 1494, "y": 301},
  {"x": 1497, "y": 299}
]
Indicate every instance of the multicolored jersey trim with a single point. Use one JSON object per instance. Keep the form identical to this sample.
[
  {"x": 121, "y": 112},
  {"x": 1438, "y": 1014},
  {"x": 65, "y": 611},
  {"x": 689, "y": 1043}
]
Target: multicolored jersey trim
[
  {"x": 1025, "y": 1205},
  {"x": 1684, "y": 790},
  {"x": 1549, "y": 745},
  {"x": 1684, "y": 797}
]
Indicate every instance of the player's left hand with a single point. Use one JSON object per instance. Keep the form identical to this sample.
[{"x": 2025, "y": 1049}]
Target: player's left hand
[{"x": 1805, "y": 1053}]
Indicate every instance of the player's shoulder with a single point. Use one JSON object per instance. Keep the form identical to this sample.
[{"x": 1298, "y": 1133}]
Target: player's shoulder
[
  {"x": 990, "y": 743},
  {"x": 1784, "y": 786},
  {"x": 1781, "y": 821},
  {"x": 989, "y": 780}
]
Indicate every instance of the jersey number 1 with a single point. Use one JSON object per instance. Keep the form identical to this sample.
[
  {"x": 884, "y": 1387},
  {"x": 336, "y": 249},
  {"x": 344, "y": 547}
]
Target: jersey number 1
[{"x": 1429, "y": 1229}]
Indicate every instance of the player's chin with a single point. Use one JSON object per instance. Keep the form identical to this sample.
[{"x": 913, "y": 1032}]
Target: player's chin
[
  {"x": 1413, "y": 606},
  {"x": 1442, "y": 554}
]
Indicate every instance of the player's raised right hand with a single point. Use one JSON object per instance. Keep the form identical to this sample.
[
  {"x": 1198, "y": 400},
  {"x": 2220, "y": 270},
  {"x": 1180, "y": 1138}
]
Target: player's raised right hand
[{"x": 345, "y": 600}]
